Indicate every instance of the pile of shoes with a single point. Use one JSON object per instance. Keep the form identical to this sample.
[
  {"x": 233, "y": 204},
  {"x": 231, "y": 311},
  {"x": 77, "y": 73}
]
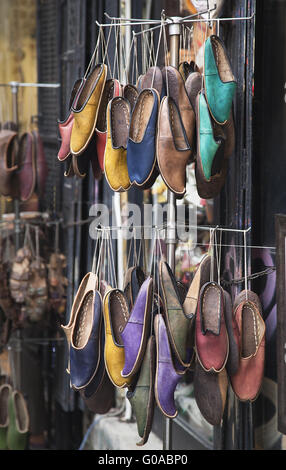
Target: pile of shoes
[
  {"x": 147, "y": 336},
  {"x": 229, "y": 343},
  {"x": 28, "y": 281},
  {"x": 23, "y": 166},
  {"x": 14, "y": 419},
  {"x": 171, "y": 118}
]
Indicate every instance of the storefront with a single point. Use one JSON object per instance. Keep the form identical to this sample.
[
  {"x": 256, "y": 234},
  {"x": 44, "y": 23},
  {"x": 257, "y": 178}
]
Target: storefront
[{"x": 60, "y": 216}]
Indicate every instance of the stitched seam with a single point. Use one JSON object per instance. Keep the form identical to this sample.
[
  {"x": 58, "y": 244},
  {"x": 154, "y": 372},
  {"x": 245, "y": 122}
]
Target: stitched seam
[
  {"x": 120, "y": 105},
  {"x": 82, "y": 321},
  {"x": 214, "y": 288},
  {"x": 255, "y": 325},
  {"x": 140, "y": 116},
  {"x": 123, "y": 306}
]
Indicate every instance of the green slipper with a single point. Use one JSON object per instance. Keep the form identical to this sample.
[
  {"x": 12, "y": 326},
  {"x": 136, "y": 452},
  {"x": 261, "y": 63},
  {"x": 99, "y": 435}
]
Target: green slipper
[
  {"x": 5, "y": 392},
  {"x": 17, "y": 436}
]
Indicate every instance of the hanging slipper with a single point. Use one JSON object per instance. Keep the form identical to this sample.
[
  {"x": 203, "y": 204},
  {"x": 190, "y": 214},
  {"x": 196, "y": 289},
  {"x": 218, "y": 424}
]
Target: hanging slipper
[{"x": 57, "y": 283}]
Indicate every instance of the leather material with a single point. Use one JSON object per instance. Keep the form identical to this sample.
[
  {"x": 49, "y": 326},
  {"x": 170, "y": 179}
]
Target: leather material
[
  {"x": 111, "y": 89},
  {"x": 193, "y": 86},
  {"x": 115, "y": 157},
  {"x": 175, "y": 85},
  {"x": 142, "y": 399},
  {"x": 17, "y": 436},
  {"x": 65, "y": 129},
  {"x": 137, "y": 329},
  {"x": 166, "y": 378},
  {"x": 201, "y": 276},
  {"x": 212, "y": 345},
  {"x": 246, "y": 383},
  {"x": 177, "y": 322},
  {"x": 85, "y": 341},
  {"x": 8, "y": 163},
  {"x": 215, "y": 159},
  {"x": 27, "y": 166},
  {"x": 130, "y": 93},
  {"x": 208, "y": 189},
  {"x": 141, "y": 146},
  {"x": 86, "y": 109},
  {"x": 207, "y": 143},
  {"x": 69, "y": 172},
  {"x": 88, "y": 283},
  {"x": 99, "y": 394},
  {"x": 116, "y": 315},
  {"x": 41, "y": 164},
  {"x": 233, "y": 336},
  {"x": 220, "y": 84},
  {"x": 153, "y": 78},
  {"x": 133, "y": 280},
  {"x": 65, "y": 126},
  {"x": 185, "y": 70},
  {"x": 5, "y": 392},
  {"x": 173, "y": 151},
  {"x": 81, "y": 163},
  {"x": 210, "y": 392}
]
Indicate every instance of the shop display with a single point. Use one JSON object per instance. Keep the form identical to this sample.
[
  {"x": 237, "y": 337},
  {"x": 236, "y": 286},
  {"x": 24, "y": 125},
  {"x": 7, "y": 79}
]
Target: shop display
[
  {"x": 169, "y": 119},
  {"x": 173, "y": 323},
  {"x": 147, "y": 337}
]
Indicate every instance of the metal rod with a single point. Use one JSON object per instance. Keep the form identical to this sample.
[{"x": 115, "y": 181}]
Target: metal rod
[
  {"x": 207, "y": 20},
  {"x": 164, "y": 227},
  {"x": 130, "y": 19},
  {"x": 187, "y": 19},
  {"x": 174, "y": 32},
  {"x": 36, "y": 85}
]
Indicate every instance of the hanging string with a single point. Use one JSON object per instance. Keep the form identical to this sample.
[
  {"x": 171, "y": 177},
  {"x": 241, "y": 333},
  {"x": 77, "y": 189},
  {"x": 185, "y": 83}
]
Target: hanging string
[
  {"x": 152, "y": 56},
  {"x": 157, "y": 54},
  {"x": 115, "y": 60},
  {"x": 95, "y": 259},
  {"x": 245, "y": 265},
  {"x": 113, "y": 263},
  {"x": 94, "y": 57},
  {"x": 127, "y": 68},
  {"x": 166, "y": 58},
  {"x": 106, "y": 45},
  {"x": 218, "y": 255}
]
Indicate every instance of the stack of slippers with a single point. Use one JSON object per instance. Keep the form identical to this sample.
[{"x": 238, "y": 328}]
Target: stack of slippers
[
  {"x": 57, "y": 283},
  {"x": 20, "y": 275},
  {"x": 163, "y": 118},
  {"x": 28, "y": 285},
  {"x": 36, "y": 300}
]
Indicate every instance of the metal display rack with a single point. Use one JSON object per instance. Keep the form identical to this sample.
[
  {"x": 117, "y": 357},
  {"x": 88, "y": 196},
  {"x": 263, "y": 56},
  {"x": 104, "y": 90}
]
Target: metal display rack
[{"x": 175, "y": 31}]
